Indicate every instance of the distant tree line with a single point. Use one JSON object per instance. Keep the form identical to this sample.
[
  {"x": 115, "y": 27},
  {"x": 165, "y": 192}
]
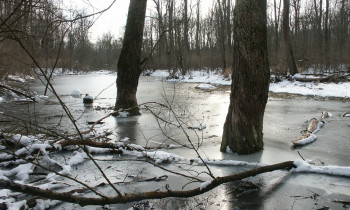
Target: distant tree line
[
  {"x": 178, "y": 35},
  {"x": 319, "y": 33},
  {"x": 55, "y": 37}
]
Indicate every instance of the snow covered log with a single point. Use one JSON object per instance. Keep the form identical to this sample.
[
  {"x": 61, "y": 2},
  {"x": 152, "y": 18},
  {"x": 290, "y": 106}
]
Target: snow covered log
[
  {"x": 304, "y": 140},
  {"x": 346, "y": 114},
  {"x": 314, "y": 125},
  {"x": 326, "y": 114}
]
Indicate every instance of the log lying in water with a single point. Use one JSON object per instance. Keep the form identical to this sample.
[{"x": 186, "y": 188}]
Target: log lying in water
[
  {"x": 304, "y": 140},
  {"x": 313, "y": 127},
  {"x": 346, "y": 114},
  {"x": 326, "y": 114}
]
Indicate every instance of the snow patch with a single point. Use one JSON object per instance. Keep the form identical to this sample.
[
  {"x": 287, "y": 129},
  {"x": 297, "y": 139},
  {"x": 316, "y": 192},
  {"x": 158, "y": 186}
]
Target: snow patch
[
  {"x": 202, "y": 126},
  {"x": 45, "y": 204},
  {"x": 228, "y": 150},
  {"x": 20, "y": 172},
  {"x": 160, "y": 157},
  {"x": 16, "y": 78},
  {"x": 173, "y": 146},
  {"x": 125, "y": 139},
  {"x": 160, "y": 73},
  {"x": 78, "y": 157},
  {"x": 303, "y": 166},
  {"x": 123, "y": 114},
  {"x": 137, "y": 147},
  {"x": 204, "y": 185},
  {"x": 310, "y": 88},
  {"x": 97, "y": 150},
  {"x": 227, "y": 162},
  {"x": 205, "y": 87},
  {"x": 76, "y": 93},
  {"x": 16, "y": 205}
]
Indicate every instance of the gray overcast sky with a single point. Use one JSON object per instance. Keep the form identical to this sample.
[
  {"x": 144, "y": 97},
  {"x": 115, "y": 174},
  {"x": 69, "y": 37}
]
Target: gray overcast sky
[{"x": 114, "y": 19}]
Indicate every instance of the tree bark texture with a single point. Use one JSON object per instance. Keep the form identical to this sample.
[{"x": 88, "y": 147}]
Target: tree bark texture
[
  {"x": 250, "y": 79},
  {"x": 129, "y": 64},
  {"x": 287, "y": 42}
]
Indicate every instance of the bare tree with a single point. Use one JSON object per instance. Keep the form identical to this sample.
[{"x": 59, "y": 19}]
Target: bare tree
[
  {"x": 287, "y": 40},
  {"x": 250, "y": 79},
  {"x": 129, "y": 64}
]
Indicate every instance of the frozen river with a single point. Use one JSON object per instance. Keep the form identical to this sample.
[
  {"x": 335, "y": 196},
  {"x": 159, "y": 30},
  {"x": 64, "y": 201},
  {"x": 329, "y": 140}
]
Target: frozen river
[{"x": 284, "y": 119}]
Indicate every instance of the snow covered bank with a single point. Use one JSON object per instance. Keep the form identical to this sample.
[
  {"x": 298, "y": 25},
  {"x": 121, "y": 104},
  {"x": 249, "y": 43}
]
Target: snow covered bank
[
  {"x": 303, "y": 88},
  {"x": 309, "y": 88},
  {"x": 203, "y": 76}
]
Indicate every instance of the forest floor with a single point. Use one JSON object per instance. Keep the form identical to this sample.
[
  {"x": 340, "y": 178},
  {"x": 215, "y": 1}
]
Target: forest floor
[{"x": 199, "y": 100}]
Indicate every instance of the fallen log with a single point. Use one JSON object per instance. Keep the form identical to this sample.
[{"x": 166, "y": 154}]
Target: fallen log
[
  {"x": 313, "y": 127},
  {"x": 304, "y": 140},
  {"x": 346, "y": 114},
  {"x": 326, "y": 114}
]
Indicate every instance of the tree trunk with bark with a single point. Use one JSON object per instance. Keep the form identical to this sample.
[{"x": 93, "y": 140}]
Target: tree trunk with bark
[
  {"x": 287, "y": 42},
  {"x": 129, "y": 64},
  {"x": 250, "y": 79},
  {"x": 326, "y": 36}
]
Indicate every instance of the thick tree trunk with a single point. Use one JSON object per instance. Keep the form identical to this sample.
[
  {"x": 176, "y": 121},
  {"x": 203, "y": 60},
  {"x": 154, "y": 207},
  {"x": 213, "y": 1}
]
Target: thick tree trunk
[
  {"x": 250, "y": 79},
  {"x": 129, "y": 63},
  {"x": 288, "y": 45}
]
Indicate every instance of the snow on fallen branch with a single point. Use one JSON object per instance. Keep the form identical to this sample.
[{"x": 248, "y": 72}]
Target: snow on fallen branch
[
  {"x": 49, "y": 194},
  {"x": 304, "y": 166}
]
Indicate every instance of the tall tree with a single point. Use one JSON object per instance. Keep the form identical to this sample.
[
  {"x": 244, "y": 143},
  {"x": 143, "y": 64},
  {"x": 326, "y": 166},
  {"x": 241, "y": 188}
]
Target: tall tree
[
  {"x": 287, "y": 40},
  {"x": 129, "y": 64},
  {"x": 326, "y": 36},
  {"x": 221, "y": 33},
  {"x": 277, "y": 10},
  {"x": 250, "y": 79}
]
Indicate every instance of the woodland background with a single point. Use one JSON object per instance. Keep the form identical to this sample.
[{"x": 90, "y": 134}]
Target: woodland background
[{"x": 177, "y": 36}]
